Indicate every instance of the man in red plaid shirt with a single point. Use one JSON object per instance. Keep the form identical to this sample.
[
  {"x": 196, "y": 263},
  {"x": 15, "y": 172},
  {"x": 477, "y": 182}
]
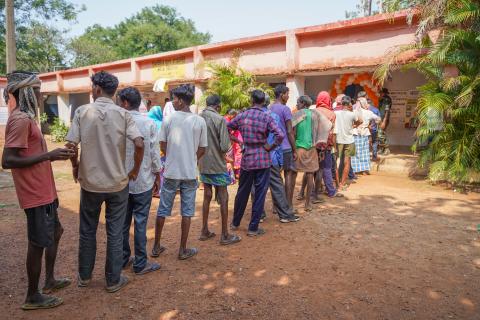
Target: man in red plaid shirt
[{"x": 254, "y": 126}]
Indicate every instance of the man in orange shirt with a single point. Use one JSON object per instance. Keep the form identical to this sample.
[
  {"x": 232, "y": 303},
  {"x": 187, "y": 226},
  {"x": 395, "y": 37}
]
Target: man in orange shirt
[{"x": 26, "y": 154}]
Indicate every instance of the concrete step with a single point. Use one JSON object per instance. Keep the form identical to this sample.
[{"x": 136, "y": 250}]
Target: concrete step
[{"x": 399, "y": 163}]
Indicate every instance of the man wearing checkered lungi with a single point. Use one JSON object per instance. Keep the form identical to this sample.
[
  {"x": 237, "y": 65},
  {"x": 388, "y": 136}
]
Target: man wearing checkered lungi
[{"x": 361, "y": 160}]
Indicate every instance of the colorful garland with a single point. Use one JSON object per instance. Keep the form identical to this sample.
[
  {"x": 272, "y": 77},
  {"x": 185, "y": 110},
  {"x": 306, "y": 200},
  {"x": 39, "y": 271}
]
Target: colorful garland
[{"x": 364, "y": 79}]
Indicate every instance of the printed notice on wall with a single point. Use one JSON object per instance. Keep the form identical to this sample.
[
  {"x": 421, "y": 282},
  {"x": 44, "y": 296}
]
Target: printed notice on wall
[
  {"x": 171, "y": 69},
  {"x": 397, "y": 112},
  {"x": 411, "y": 121},
  {"x": 404, "y": 108}
]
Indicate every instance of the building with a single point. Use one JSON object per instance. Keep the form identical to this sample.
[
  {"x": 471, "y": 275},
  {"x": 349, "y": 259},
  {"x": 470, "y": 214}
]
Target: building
[{"x": 328, "y": 57}]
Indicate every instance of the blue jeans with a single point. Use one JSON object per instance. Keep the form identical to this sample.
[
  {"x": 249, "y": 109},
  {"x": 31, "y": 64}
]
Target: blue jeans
[
  {"x": 351, "y": 174},
  {"x": 188, "y": 192},
  {"x": 374, "y": 144},
  {"x": 326, "y": 166},
  {"x": 260, "y": 178},
  {"x": 277, "y": 190},
  {"x": 115, "y": 209},
  {"x": 138, "y": 208}
]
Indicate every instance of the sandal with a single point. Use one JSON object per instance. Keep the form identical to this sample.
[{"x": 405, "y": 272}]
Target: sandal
[
  {"x": 337, "y": 195},
  {"x": 156, "y": 253},
  {"x": 300, "y": 197},
  {"x": 188, "y": 253},
  {"x": 205, "y": 237},
  {"x": 116, "y": 287},
  {"x": 233, "y": 238},
  {"x": 59, "y": 284},
  {"x": 150, "y": 267},
  {"x": 259, "y": 232},
  {"x": 48, "y": 303},
  {"x": 317, "y": 201},
  {"x": 129, "y": 263}
]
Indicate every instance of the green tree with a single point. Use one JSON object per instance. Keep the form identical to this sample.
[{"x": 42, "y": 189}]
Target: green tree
[
  {"x": 449, "y": 104},
  {"x": 33, "y": 32},
  {"x": 40, "y": 48},
  {"x": 152, "y": 30},
  {"x": 90, "y": 51},
  {"x": 233, "y": 84},
  {"x": 365, "y": 8}
]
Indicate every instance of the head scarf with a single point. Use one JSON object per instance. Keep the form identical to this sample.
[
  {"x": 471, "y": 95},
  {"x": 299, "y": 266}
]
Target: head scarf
[
  {"x": 324, "y": 101},
  {"x": 156, "y": 115},
  {"x": 24, "y": 82}
]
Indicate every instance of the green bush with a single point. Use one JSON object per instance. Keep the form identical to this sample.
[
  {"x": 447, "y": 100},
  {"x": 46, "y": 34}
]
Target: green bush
[
  {"x": 43, "y": 118},
  {"x": 58, "y": 130}
]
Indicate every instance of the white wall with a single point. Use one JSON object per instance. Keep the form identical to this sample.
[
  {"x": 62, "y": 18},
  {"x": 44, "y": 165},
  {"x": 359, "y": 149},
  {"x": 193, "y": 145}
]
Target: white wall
[
  {"x": 313, "y": 85},
  {"x": 76, "y": 100}
]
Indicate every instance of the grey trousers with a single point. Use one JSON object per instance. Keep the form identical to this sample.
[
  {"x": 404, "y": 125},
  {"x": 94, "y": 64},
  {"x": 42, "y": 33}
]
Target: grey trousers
[
  {"x": 115, "y": 211},
  {"x": 277, "y": 190}
]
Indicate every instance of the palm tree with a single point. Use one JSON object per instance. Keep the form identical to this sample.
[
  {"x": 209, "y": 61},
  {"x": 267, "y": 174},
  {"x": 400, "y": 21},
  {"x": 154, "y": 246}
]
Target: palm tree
[
  {"x": 233, "y": 84},
  {"x": 449, "y": 104}
]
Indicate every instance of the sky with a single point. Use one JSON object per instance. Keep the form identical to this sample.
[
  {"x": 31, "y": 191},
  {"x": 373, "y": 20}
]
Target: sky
[{"x": 225, "y": 19}]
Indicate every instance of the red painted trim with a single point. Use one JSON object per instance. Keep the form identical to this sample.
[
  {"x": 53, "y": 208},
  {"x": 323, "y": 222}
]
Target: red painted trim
[{"x": 188, "y": 52}]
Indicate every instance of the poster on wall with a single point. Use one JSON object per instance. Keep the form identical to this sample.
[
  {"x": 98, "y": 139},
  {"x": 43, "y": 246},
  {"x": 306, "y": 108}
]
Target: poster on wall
[
  {"x": 172, "y": 69},
  {"x": 397, "y": 112},
  {"x": 411, "y": 121}
]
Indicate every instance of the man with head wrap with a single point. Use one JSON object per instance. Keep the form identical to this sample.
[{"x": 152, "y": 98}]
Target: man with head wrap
[
  {"x": 26, "y": 154},
  {"x": 361, "y": 160}
]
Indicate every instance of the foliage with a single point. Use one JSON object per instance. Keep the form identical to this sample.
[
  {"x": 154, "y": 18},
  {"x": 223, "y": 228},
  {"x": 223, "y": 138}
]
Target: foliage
[
  {"x": 90, "y": 51},
  {"x": 43, "y": 118},
  {"x": 40, "y": 48},
  {"x": 39, "y": 45},
  {"x": 365, "y": 8},
  {"x": 58, "y": 130},
  {"x": 233, "y": 84},
  {"x": 449, "y": 104},
  {"x": 152, "y": 30}
]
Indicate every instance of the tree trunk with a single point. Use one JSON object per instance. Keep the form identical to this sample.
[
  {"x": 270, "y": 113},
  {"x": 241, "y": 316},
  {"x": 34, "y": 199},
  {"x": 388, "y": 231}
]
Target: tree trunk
[
  {"x": 369, "y": 7},
  {"x": 10, "y": 36}
]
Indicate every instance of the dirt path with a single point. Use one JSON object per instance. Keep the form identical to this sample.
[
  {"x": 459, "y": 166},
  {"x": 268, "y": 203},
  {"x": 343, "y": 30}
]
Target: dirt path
[{"x": 393, "y": 249}]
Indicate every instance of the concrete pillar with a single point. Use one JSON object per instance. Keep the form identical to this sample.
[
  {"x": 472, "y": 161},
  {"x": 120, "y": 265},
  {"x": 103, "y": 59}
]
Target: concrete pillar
[
  {"x": 293, "y": 51},
  {"x": 198, "y": 63},
  {"x": 63, "y": 101},
  {"x": 199, "y": 89},
  {"x": 135, "y": 70},
  {"x": 296, "y": 85}
]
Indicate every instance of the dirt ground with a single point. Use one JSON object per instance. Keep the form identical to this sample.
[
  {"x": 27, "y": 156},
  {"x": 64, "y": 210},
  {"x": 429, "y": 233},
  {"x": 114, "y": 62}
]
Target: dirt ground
[{"x": 394, "y": 248}]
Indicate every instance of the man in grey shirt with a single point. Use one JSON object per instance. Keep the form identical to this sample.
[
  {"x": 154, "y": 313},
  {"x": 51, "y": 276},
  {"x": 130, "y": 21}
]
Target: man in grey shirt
[
  {"x": 142, "y": 189},
  {"x": 213, "y": 169},
  {"x": 102, "y": 129}
]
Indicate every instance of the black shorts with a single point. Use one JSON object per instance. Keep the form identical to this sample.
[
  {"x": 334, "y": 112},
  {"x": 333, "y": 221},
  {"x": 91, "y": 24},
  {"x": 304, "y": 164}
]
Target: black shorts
[
  {"x": 288, "y": 162},
  {"x": 42, "y": 222}
]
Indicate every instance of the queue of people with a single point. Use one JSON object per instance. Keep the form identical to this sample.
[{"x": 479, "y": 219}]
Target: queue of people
[{"x": 122, "y": 158}]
